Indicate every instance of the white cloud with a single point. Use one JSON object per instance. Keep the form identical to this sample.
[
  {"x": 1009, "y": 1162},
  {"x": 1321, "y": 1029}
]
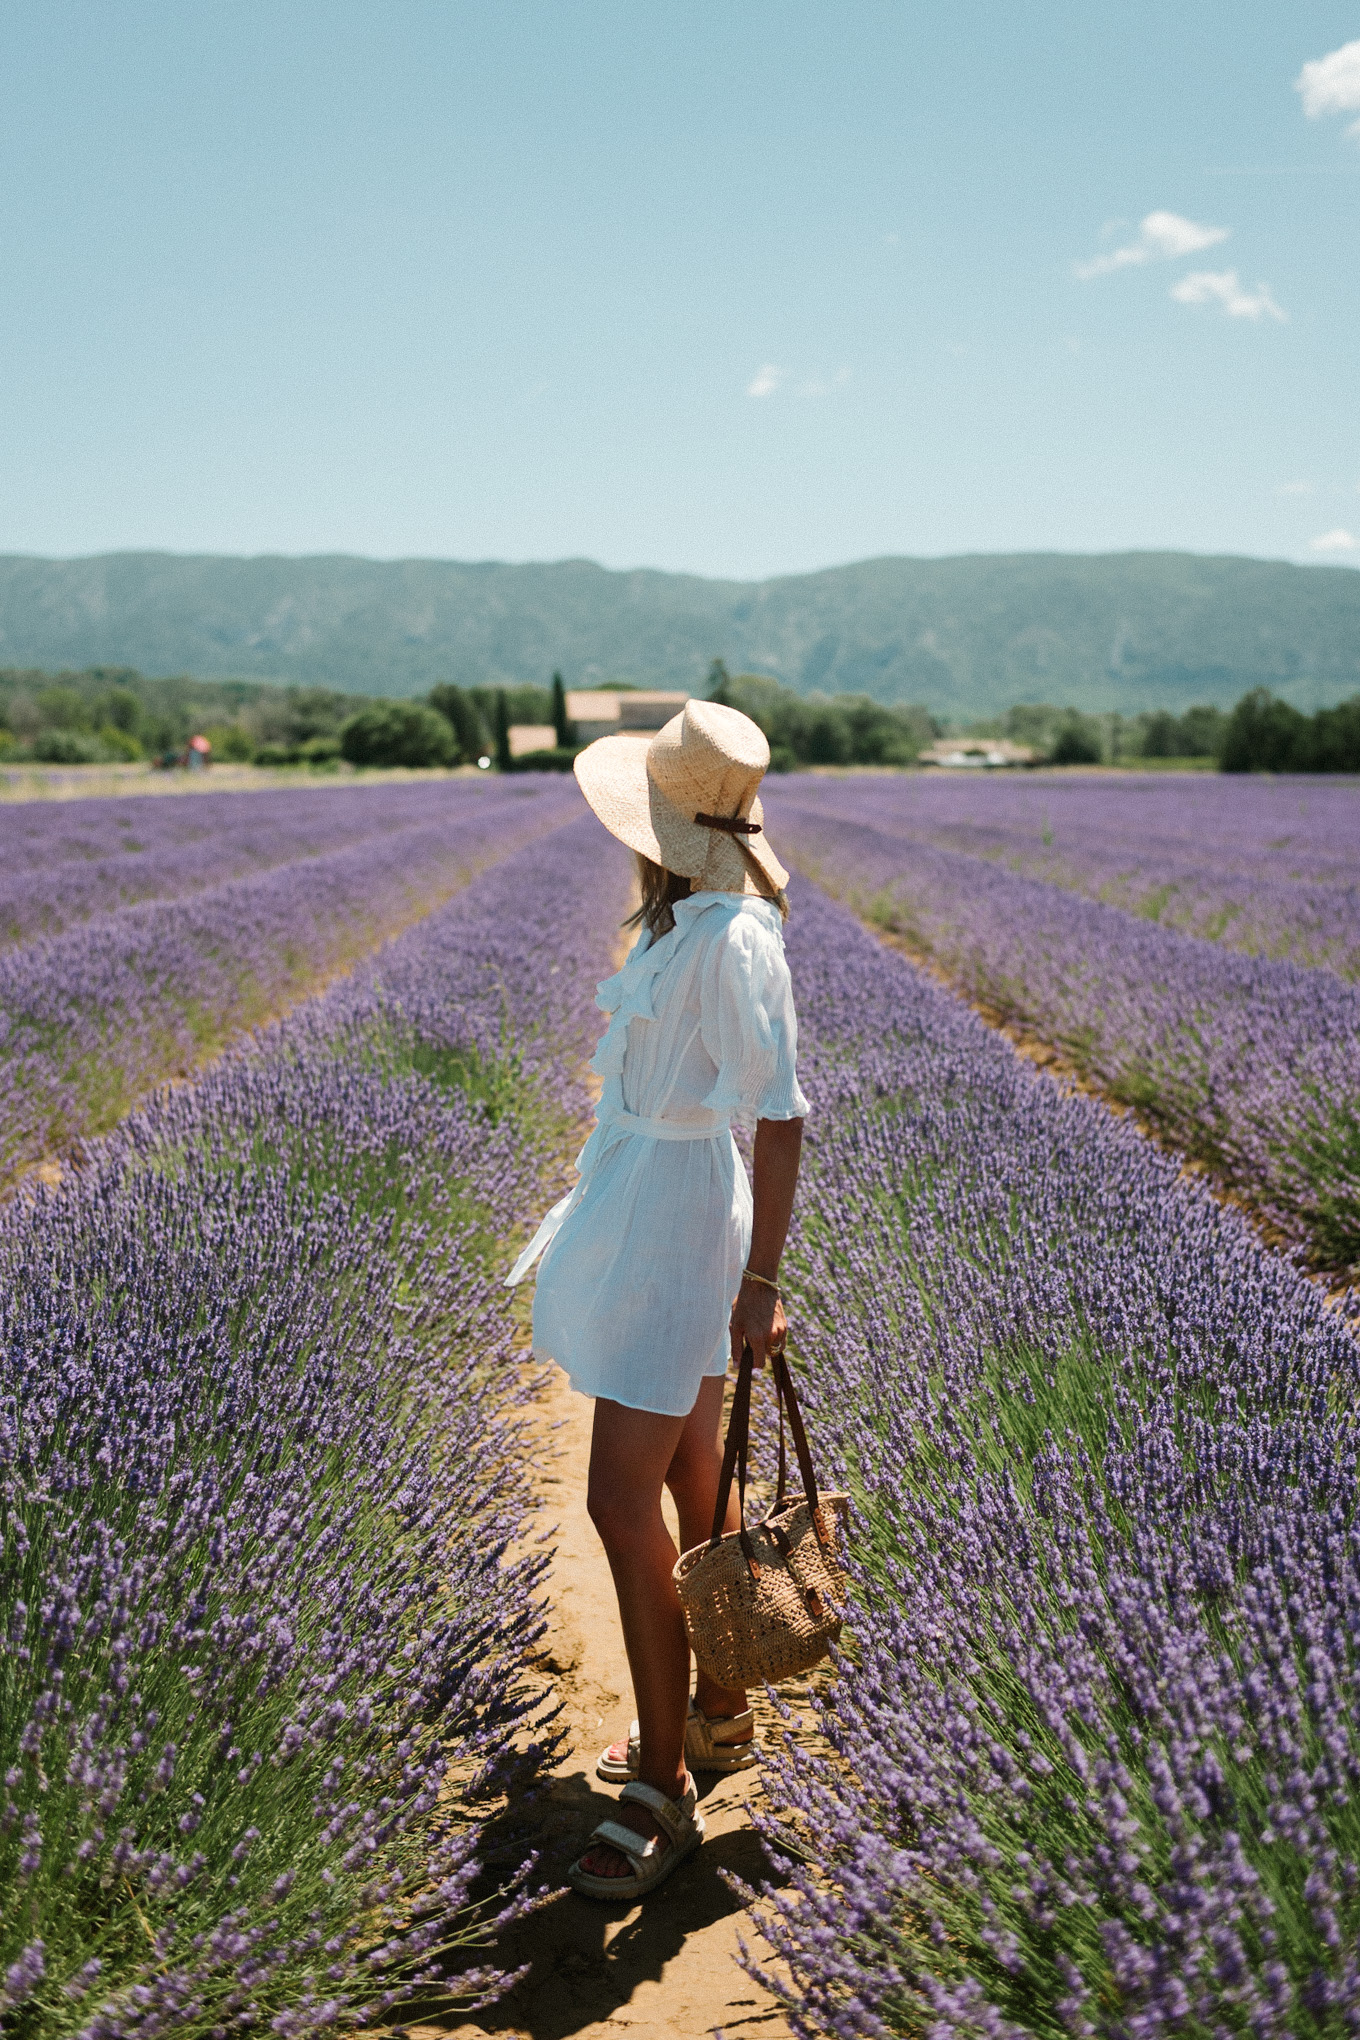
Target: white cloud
[
  {"x": 1331, "y": 84},
  {"x": 1337, "y": 541},
  {"x": 1224, "y": 287},
  {"x": 765, "y": 381},
  {"x": 1296, "y": 488},
  {"x": 1162, "y": 237}
]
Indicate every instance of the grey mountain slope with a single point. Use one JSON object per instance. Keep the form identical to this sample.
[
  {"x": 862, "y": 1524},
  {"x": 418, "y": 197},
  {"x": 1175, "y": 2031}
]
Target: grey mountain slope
[{"x": 965, "y": 635}]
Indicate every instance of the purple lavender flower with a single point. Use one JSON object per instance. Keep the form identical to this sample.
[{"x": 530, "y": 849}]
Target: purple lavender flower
[
  {"x": 1268, "y": 866},
  {"x": 1091, "y": 1747},
  {"x": 263, "y": 1492},
  {"x": 1250, "y": 1064},
  {"x": 92, "y": 1018}
]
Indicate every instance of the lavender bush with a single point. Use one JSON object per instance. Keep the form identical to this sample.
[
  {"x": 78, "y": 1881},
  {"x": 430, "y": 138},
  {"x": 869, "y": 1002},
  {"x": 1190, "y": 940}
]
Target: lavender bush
[
  {"x": 1094, "y": 1747},
  {"x": 65, "y": 862},
  {"x": 92, "y": 1018},
  {"x": 1263, "y": 865},
  {"x": 260, "y": 1480},
  {"x": 1252, "y": 1065}
]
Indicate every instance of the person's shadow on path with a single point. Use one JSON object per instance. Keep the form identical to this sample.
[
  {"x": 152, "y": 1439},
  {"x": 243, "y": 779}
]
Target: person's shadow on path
[{"x": 586, "y": 1959}]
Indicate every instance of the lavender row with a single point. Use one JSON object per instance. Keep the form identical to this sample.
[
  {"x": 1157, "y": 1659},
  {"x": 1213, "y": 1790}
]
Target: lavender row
[
  {"x": 91, "y": 1019},
  {"x": 1252, "y": 1065},
  {"x": 1094, "y": 1750},
  {"x": 1267, "y": 866},
  {"x": 64, "y": 862},
  {"x": 262, "y": 1486}
]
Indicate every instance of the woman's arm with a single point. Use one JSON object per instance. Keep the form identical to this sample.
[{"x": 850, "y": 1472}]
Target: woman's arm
[{"x": 757, "y": 1314}]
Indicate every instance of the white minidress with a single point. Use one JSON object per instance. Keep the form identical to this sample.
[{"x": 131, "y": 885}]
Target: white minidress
[{"x": 636, "y": 1285}]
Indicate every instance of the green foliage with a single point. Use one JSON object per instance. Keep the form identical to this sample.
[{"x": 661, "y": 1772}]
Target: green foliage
[
  {"x": 116, "y": 713},
  {"x": 565, "y": 733},
  {"x": 1076, "y": 746},
  {"x": 523, "y": 704},
  {"x": 851, "y": 730},
  {"x": 556, "y": 760},
  {"x": 1267, "y": 735},
  {"x": 319, "y": 751},
  {"x": 398, "y": 733},
  {"x": 64, "y": 708},
  {"x": 118, "y": 743},
  {"x": 231, "y": 743},
  {"x": 1198, "y": 733},
  {"x": 66, "y": 747},
  {"x": 464, "y": 718},
  {"x": 120, "y": 709},
  {"x": 1331, "y": 742},
  {"x": 1112, "y": 739},
  {"x": 504, "y": 762}
]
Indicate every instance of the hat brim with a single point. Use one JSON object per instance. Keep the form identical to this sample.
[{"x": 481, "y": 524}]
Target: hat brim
[{"x": 612, "y": 774}]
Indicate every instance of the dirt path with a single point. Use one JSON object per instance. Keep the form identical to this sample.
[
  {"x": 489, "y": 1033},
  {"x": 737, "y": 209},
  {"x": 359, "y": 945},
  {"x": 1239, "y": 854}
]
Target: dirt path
[{"x": 660, "y": 1971}]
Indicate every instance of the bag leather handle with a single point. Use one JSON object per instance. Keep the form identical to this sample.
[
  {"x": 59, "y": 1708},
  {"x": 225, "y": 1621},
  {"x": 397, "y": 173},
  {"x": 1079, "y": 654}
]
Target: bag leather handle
[
  {"x": 734, "y": 1459},
  {"x": 737, "y": 1445},
  {"x": 788, "y": 1401}
]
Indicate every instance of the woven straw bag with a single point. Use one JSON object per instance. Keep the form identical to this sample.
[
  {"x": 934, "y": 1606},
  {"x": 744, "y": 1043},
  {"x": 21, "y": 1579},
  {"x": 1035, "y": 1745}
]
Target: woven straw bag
[{"x": 764, "y": 1603}]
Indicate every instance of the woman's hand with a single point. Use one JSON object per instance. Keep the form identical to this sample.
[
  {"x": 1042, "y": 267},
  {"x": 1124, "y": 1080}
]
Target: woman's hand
[{"x": 757, "y": 1321}]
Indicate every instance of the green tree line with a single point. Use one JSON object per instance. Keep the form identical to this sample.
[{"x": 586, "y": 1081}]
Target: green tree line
[{"x": 109, "y": 713}]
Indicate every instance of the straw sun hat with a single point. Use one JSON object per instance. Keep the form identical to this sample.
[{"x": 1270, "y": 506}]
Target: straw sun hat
[{"x": 686, "y": 797}]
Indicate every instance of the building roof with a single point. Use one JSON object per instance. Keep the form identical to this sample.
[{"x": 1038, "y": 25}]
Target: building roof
[
  {"x": 531, "y": 736},
  {"x": 642, "y": 709},
  {"x": 976, "y": 752}
]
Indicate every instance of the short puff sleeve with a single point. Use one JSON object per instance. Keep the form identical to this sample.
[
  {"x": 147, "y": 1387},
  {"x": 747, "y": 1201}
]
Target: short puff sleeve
[{"x": 748, "y": 1024}]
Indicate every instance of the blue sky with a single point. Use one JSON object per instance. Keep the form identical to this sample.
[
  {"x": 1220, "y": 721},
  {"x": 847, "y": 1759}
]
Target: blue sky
[{"x": 739, "y": 288}]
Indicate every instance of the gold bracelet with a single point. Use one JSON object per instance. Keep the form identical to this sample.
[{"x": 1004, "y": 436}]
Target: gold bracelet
[{"x": 750, "y": 1275}]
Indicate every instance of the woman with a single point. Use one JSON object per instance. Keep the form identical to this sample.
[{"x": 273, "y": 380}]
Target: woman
[{"x": 643, "y": 1260}]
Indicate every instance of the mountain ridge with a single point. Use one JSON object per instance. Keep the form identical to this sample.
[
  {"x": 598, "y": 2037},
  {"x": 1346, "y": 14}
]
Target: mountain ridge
[{"x": 965, "y": 634}]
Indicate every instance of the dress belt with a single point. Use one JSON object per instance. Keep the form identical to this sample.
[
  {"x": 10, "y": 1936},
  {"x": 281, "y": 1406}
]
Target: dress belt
[
  {"x": 617, "y": 1122},
  {"x": 662, "y": 1129}
]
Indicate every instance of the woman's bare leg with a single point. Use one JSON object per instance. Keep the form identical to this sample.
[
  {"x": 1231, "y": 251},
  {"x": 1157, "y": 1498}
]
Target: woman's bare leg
[
  {"x": 692, "y": 1478},
  {"x": 630, "y": 1453}
]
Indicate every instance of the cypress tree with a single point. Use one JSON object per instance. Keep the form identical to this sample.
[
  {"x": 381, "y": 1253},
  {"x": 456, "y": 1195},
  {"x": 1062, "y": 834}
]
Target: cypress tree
[
  {"x": 503, "y": 760},
  {"x": 559, "y": 712}
]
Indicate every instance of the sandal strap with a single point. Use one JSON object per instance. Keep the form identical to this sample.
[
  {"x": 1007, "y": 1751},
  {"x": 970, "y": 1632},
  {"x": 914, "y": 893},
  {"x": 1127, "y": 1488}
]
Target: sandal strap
[
  {"x": 639, "y": 1849},
  {"x": 708, "y": 1734},
  {"x": 673, "y": 1814}
]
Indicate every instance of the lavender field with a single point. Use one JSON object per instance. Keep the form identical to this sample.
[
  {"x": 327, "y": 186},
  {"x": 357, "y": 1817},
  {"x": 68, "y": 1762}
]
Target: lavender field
[
  {"x": 1250, "y": 1063},
  {"x": 1088, "y": 1761},
  {"x": 93, "y": 1017},
  {"x": 259, "y": 1481},
  {"x": 1268, "y": 866},
  {"x": 66, "y": 863},
  {"x": 1090, "y": 1755}
]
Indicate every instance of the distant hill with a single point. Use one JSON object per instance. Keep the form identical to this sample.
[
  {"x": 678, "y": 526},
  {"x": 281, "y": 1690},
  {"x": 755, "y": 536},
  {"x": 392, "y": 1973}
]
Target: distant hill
[{"x": 966, "y": 636}]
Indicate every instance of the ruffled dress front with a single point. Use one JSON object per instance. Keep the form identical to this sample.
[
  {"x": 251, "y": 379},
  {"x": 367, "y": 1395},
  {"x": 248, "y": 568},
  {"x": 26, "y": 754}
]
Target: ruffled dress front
[{"x": 641, "y": 1261}]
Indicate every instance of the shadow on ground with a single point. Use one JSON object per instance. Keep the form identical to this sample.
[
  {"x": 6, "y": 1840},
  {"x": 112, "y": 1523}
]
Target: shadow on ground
[{"x": 589, "y": 1964}]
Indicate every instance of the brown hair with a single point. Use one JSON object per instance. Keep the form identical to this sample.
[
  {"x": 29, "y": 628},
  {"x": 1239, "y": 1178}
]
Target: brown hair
[{"x": 661, "y": 889}]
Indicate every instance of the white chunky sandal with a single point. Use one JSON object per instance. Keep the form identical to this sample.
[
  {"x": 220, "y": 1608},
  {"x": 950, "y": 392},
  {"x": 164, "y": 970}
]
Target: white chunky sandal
[
  {"x": 709, "y": 1746},
  {"x": 652, "y": 1865}
]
